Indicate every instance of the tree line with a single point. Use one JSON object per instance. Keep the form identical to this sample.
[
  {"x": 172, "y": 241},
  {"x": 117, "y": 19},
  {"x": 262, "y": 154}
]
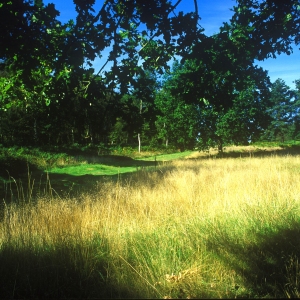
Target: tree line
[{"x": 213, "y": 93}]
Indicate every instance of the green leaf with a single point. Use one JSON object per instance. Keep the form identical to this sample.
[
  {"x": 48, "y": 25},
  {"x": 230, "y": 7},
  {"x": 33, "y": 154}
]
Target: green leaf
[
  {"x": 123, "y": 34},
  {"x": 206, "y": 102}
]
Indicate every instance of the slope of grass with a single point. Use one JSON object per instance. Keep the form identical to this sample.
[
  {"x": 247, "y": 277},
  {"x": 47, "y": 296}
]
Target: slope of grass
[
  {"x": 74, "y": 171},
  {"x": 193, "y": 229}
]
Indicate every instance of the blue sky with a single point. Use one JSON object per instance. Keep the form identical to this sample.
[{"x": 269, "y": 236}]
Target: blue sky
[{"x": 213, "y": 13}]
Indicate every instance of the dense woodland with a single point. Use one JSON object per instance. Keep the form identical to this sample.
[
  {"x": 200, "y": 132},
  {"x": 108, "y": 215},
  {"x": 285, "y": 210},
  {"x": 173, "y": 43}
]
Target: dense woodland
[{"x": 162, "y": 82}]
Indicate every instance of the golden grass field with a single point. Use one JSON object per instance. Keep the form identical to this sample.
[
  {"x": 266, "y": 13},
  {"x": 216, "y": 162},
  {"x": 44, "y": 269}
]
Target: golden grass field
[{"x": 195, "y": 228}]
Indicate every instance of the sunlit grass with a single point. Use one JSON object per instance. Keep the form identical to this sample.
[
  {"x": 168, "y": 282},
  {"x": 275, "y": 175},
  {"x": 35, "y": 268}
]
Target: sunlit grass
[
  {"x": 212, "y": 228},
  {"x": 167, "y": 157},
  {"x": 92, "y": 169}
]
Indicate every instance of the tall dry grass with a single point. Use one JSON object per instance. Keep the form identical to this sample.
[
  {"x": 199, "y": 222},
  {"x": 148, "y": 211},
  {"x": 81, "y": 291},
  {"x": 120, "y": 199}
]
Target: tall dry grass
[{"x": 210, "y": 228}]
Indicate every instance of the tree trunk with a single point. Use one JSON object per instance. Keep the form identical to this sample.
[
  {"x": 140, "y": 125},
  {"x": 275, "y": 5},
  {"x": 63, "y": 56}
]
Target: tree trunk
[
  {"x": 139, "y": 139},
  {"x": 220, "y": 146},
  {"x": 72, "y": 136}
]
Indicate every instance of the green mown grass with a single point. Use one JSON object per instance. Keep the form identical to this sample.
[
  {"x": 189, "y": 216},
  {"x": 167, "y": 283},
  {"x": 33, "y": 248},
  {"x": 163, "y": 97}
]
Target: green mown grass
[
  {"x": 92, "y": 169},
  {"x": 107, "y": 169}
]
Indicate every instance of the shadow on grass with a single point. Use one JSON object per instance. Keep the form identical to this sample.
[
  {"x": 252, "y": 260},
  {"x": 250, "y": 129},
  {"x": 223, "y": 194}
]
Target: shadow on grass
[
  {"x": 65, "y": 271},
  {"x": 15, "y": 173},
  {"x": 15, "y": 167},
  {"x": 270, "y": 267},
  {"x": 118, "y": 161}
]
